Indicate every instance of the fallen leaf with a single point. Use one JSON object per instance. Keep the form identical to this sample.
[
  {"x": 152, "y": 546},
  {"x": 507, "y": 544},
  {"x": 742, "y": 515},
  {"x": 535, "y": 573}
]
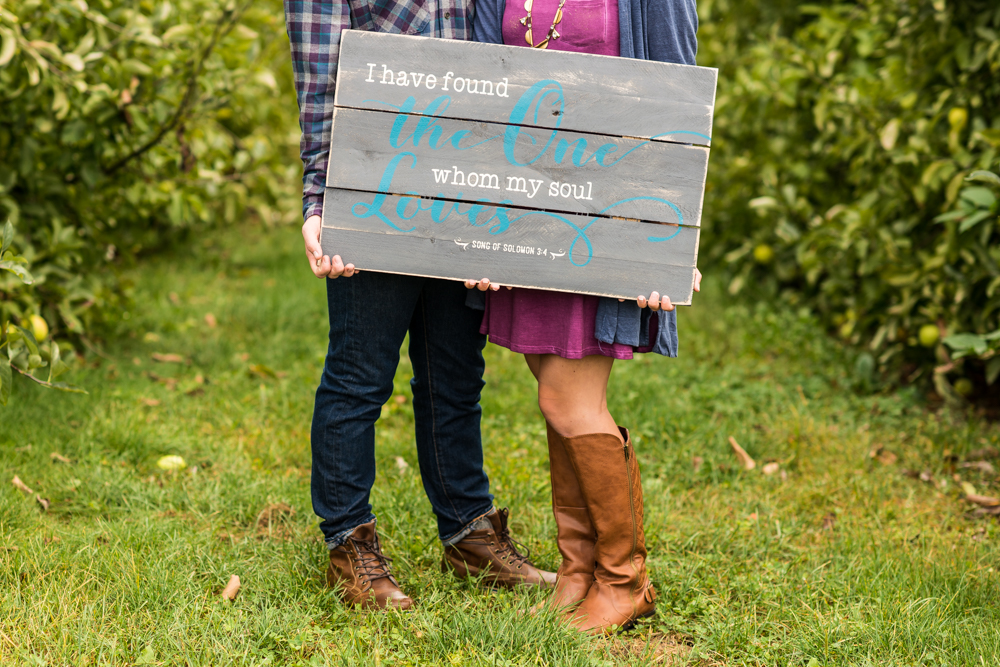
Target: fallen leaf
[
  {"x": 770, "y": 468},
  {"x": 151, "y": 402},
  {"x": 982, "y": 466},
  {"x": 745, "y": 460},
  {"x": 55, "y": 539},
  {"x": 232, "y": 589},
  {"x": 262, "y": 370},
  {"x": 752, "y": 517},
  {"x": 211, "y": 321},
  {"x": 984, "y": 453},
  {"x": 829, "y": 521},
  {"x": 968, "y": 489},
  {"x": 697, "y": 462},
  {"x": 168, "y": 358},
  {"x": 151, "y": 337},
  {"x": 21, "y": 485},
  {"x": 44, "y": 502},
  {"x": 927, "y": 477},
  {"x": 983, "y": 501},
  {"x": 137, "y": 361},
  {"x": 401, "y": 464},
  {"x": 59, "y": 458},
  {"x": 273, "y": 514},
  {"x": 171, "y": 462},
  {"x": 174, "y": 298},
  {"x": 887, "y": 458}
]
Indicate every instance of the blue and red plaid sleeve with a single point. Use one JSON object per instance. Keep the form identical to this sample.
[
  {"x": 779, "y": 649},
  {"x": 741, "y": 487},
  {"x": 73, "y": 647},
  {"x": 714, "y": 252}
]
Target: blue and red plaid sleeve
[{"x": 314, "y": 29}]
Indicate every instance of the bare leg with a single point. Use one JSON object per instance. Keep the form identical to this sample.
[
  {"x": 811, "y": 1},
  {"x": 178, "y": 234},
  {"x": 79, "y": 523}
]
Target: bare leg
[{"x": 572, "y": 393}]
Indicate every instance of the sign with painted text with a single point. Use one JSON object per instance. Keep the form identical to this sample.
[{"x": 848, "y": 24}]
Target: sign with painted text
[{"x": 530, "y": 167}]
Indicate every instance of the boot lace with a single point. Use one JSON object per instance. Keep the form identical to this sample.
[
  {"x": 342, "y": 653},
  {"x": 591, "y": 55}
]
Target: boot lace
[
  {"x": 507, "y": 549},
  {"x": 371, "y": 563}
]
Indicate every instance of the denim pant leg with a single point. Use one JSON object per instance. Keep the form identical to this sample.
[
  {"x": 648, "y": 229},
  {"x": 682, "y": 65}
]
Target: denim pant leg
[
  {"x": 446, "y": 350},
  {"x": 369, "y": 316}
]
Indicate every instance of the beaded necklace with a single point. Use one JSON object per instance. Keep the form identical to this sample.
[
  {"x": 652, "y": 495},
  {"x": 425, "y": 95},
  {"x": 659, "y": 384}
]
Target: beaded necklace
[{"x": 552, "y": 34}]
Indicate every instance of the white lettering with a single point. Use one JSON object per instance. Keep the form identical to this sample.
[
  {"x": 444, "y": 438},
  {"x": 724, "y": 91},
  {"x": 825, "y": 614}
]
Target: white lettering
[
  {"x": 386, "y": 72},
  {"x": 460, "y": 81},
  {"x": 522, "y": 185},
  {"x": 432, "y": 82},
  {"x": 490, "y": 84},
  {"x": 371, "y": 68},
  {"x": 504, "y": 84},
  {"x": 471, "y": 184},
  {"x": 535, "y": 184},
  {"x": 446, "y": 77},
  {"x": 491, "y": 181},
  {"x": 416, "y": 80},
  {"x": 441, "y": 175},
  {"x": 554, "y": 189},
  {"x": 457, "y": 174},
  {"x": 401, "y": 79}
]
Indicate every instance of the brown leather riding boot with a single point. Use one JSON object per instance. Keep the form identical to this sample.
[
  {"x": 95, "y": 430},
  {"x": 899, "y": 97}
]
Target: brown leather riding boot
[
  {"x": 490, "y": 551},
  {"x": 609, "y": 477},
  {"x": 359, "y": 567},
  {"x": 575, "y": 533}
]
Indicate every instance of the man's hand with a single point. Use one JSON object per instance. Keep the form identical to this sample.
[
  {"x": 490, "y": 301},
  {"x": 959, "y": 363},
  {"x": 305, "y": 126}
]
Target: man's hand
[{"x": 322, "y": 266}]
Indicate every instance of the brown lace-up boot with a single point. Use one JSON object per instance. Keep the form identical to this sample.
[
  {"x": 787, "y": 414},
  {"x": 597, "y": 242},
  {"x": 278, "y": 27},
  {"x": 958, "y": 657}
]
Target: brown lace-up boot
[
  {"x": 609, "y": 477},
  {"x": 490, "y": 551},
  {"x": 575, "y": 533},
  {"x": 359, "y": 567}
]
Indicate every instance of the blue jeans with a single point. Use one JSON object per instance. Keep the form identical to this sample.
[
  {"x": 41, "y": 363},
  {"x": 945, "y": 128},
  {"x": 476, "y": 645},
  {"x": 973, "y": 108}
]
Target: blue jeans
[{"x": 370, "y": 314}]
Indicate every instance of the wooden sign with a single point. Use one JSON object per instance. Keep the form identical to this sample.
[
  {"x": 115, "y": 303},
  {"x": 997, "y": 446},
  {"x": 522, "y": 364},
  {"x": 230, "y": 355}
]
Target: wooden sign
[{"x": 530, "y": 167}]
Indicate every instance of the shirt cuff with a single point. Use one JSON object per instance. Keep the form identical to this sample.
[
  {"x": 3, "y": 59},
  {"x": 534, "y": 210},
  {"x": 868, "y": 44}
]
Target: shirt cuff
[{"x": 312, "y": 205}]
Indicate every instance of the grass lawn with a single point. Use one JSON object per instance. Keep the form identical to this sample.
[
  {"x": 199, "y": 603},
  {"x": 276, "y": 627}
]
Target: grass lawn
[{"x": 840, "y": 557}]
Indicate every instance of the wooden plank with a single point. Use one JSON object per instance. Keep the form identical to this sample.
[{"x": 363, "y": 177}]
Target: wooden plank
[
  {"x": 563, "y": 252},
  {"x": 460, "y": 159},
  {"x": 573, "y": 91}
]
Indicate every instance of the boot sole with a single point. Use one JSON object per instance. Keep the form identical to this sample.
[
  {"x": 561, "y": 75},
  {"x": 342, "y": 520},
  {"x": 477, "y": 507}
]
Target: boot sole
[{"x": 631, "y": 624}]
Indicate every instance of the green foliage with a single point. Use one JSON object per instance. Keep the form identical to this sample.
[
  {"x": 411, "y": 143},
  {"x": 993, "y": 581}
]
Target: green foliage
[
  {"x": 24, "y": 353},
  {"x": 125, "y": 123},
  {"x": 844, "y": 137}
]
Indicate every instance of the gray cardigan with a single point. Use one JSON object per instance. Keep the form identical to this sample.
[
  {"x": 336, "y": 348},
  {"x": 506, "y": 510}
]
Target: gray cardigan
[{"x": 664, "y": 30}]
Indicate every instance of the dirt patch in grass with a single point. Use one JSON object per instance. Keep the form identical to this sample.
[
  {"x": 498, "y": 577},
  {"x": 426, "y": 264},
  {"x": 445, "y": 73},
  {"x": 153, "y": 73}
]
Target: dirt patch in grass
[{"x": 657, "y": 648}]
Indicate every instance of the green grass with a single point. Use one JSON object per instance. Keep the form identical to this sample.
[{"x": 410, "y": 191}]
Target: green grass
[{"x": 842, "y": 559}]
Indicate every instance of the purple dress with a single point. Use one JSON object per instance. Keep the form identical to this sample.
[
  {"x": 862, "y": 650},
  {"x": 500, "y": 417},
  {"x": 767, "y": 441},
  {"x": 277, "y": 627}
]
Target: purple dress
[{"x": 536, "y": 321}]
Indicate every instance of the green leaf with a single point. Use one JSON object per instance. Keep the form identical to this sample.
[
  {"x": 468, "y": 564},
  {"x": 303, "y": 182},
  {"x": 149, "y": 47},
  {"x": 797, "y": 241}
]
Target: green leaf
[
  {"x": 992, "y": 336},
  {"x": 981, "y": 197},
  {"x": 6, "y": 53},
  {"x": 8, "y": 236},
  {"x": 18, "y": 270},
  {"x": 992, "y": 370},
  {"x": 964, "y": 343},
  {"x": 983, "y": 176},
  {"x": 951, "y": 215},
  {"x": 974, "y": 220},
  {"x": 29, "y": 339},
  {"x": 147, "y": 657},
  {"x": 5, "y": 380},
  {"x": 56, "y": 365}
]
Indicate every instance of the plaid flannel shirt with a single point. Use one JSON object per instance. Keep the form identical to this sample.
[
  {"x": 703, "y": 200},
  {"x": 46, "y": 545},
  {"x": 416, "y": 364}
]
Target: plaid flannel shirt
[{"x": 314, "y": 29}]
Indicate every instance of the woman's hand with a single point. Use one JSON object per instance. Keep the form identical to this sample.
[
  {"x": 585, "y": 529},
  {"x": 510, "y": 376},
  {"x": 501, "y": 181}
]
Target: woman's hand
[
  {"x": 483, "y": 285},
  {"x": 322, "y": 266},
  {"x": 655, "y": 302}
]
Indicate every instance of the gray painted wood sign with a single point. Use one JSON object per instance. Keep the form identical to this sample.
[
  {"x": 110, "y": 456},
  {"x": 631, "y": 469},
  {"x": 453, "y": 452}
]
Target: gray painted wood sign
[{"x": 533, "y": 168}]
